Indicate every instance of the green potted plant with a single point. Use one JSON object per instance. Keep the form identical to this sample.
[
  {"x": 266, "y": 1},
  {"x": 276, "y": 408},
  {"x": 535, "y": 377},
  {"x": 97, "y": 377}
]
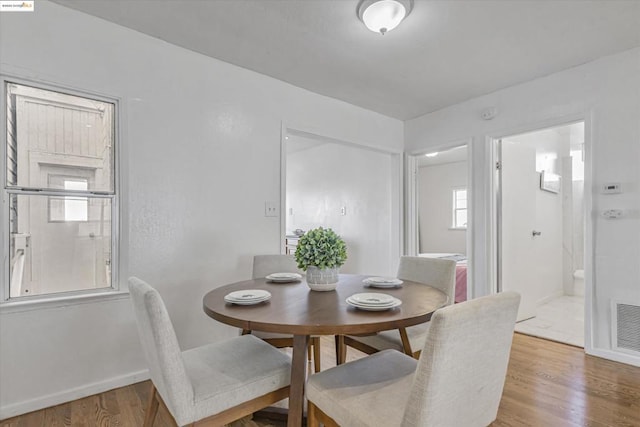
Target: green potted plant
[{"x": 321, "y": 252}]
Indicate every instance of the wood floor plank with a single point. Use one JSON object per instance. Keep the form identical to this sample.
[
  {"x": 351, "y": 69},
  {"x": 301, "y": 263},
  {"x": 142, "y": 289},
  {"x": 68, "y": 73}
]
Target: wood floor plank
[{"x": 548, "y": 384}]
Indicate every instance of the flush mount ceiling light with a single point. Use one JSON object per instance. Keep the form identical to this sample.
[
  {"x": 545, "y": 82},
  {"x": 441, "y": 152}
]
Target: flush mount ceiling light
[
  {"x": 432, "y": 154},
  {"x": 381, "y": 16}
]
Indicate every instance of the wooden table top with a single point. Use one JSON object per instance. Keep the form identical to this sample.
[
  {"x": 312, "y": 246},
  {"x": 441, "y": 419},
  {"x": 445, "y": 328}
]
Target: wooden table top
[{"x": 296, "y": 309}]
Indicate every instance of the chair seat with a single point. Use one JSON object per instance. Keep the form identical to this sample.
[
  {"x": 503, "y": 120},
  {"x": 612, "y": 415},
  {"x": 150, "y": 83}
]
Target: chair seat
[
  {"x": 231, "y": 372},
  {"x": 372, "y": 391},
  {"x": 390, "y": 340}
]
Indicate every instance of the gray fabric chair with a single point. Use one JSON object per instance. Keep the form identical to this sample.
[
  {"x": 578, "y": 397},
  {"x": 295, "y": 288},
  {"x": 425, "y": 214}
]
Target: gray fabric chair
[
  {"x": 263, "y": 265},
  {"x": 214, "y": 384},
  {"x": 439, "y": 273},
  {"x": 458, "y": 380}
]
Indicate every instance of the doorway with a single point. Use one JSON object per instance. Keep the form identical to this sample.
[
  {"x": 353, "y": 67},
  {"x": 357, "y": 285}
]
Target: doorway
[
  {"x": 541, "y": 229},
  {"x": 350, "y": 188},
  {"x": 439, "y": 209}
]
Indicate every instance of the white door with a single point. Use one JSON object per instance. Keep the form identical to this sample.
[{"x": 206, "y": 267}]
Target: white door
[{"x": 519, "y": 182}]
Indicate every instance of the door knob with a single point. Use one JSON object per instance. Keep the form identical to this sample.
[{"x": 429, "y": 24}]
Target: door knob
[{"x": 535, "y": 233}]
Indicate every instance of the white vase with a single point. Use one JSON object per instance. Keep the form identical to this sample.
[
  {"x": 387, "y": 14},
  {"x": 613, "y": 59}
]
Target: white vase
[{"x": 325, "y": 279}]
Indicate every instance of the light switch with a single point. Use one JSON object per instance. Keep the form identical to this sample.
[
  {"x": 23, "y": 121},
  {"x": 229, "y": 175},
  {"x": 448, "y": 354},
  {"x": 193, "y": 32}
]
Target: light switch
[
  {"x": 271, "y": 209},
  {"x": 611, "y": 188}
]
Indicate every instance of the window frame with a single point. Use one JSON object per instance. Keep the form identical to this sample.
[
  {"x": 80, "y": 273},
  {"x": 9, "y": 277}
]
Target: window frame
[
  {"x": 455, "y": 209},
  {"x": 23, "y": 303}
]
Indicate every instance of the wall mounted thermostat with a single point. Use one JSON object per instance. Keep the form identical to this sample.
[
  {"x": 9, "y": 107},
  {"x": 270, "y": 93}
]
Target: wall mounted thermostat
[{"x": 611, "y": 188}]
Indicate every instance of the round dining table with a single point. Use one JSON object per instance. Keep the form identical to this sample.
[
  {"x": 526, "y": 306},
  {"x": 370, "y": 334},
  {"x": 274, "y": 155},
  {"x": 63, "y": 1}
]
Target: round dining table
[{"x": 297, "y": 310}]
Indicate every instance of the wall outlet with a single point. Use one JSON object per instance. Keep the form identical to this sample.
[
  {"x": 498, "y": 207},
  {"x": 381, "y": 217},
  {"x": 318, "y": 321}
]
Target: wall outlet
[
  {"x": 612, "y": 213},
  {"x": 343, "y": 210},
  {"x": 271, "y": 209}
]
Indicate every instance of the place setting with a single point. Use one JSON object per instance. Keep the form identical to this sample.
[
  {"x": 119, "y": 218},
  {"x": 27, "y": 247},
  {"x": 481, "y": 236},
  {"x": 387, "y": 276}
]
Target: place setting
[
  {"x": 248, "y": 297},
  {"x": 382, "y": 282},
  {"x": 284, "y": 277},
  {"x": 370, "y": 301}
]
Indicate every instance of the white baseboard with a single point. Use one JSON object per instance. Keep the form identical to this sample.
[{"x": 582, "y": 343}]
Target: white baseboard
[
  {"x": 64, "y": 396},
  {"x": 615, "y": 356},
  {"x": 548, "y": 298}
]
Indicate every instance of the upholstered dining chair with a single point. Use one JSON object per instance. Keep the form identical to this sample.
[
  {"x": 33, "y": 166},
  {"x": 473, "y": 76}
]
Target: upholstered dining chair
[
  {"x": 458, "y": 380},
  {"x": 438, "y": 273},
  {"x": 214, "y": 384},
  {"x": 263, "y": 265}
]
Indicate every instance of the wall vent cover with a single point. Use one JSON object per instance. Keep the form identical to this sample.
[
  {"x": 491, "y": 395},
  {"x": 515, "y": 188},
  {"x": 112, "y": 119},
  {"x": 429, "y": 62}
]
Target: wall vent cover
[{"x": 626, "y": 327}]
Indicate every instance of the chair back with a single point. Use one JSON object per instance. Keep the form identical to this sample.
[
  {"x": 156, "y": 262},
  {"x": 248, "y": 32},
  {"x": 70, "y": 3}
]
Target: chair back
[
  {"x": 439, "y": 273},
  {"x": 161, "y": 348},
  {"x": 462, "y": 369},
  {"x": 263, "y": 265}
]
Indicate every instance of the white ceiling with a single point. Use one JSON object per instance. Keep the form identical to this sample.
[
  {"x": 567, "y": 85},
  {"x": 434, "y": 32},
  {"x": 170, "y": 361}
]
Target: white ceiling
[
  {"x": 452, "y": 155},
  {"x": 445, "y": 52}
]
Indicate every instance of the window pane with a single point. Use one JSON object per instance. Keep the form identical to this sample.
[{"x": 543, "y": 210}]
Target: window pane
[
  {"x": 461, "y": 194},
  {"x": 461, "y": 218},
  {"x": 51, "y": 130},
  {"x": 50, "y": 257},
  {"x": 69, "y": 208}
]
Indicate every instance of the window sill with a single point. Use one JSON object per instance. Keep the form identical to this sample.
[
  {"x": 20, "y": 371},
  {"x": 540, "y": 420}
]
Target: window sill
[
  {"x": 458, "y": 228},
  {"x": 48, "y": 302}
]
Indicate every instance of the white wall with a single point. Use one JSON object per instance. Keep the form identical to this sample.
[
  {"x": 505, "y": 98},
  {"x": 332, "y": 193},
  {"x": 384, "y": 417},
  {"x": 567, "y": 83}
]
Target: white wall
[
  {"x": 607, "y": 93},
  {"x": 326, "y": 177},
  {"x": 200, "y": 154},
  {"x": 435, "y": 187}
]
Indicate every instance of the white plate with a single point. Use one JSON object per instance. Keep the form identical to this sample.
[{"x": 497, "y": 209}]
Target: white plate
[
  {"x": 371, "y": 305},
  {"x": 382, "y": 285},
  {"x": 370, "y": 298},
  {"x": 382, "y": 282},
  {"x": 247, "y": 297},
  {"x": 355, "y": 304},
  {"x": 395, "y": 304},
  {"x": 284, "y": 277}
]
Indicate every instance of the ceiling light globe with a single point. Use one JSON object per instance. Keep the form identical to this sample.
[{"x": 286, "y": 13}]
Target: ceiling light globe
[{"x": 383, "y": 15}]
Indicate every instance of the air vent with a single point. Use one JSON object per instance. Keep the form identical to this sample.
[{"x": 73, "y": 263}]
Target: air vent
[{"x": 626, "y": 327}]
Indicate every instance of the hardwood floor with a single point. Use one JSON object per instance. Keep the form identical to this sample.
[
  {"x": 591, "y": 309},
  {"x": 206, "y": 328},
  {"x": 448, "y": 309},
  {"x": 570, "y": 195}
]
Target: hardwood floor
[{"x": 548, "y": 384}]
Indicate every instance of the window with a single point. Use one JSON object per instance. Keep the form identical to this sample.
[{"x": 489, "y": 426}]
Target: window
[
  {"x": 60, "y": 191},
  {"x": 459, "y": 208},
  {"x": 70, "y": 208}
]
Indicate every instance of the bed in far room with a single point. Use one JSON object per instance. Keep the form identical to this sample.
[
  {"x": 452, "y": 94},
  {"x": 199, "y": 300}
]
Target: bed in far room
[{"x": 461, "y": 272}]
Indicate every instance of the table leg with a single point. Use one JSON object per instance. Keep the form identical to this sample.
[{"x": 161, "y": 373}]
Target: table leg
[
  {"x": 341, "y": 350},
  {"x": 298, "y": 378}
]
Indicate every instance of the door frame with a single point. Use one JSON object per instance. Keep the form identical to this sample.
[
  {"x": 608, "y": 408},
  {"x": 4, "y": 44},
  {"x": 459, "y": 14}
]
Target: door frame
[
  {"x": 411, "y": 197},
  {"x": 494, "y": 211}
]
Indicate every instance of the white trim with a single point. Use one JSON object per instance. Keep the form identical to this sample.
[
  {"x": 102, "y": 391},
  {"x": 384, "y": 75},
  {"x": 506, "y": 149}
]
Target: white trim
[
  {"x": 589, "y": 235},
  {"x": 411, "y": 237},
  {"x": 549, "y": 298},
  {"x": 296, "y": 131},
  {"x": 66, "y": 299},
  {"x": 283, "y": 188},
  {"x": 71, "y": 394},
  {"x": 614, "y": 355}
]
